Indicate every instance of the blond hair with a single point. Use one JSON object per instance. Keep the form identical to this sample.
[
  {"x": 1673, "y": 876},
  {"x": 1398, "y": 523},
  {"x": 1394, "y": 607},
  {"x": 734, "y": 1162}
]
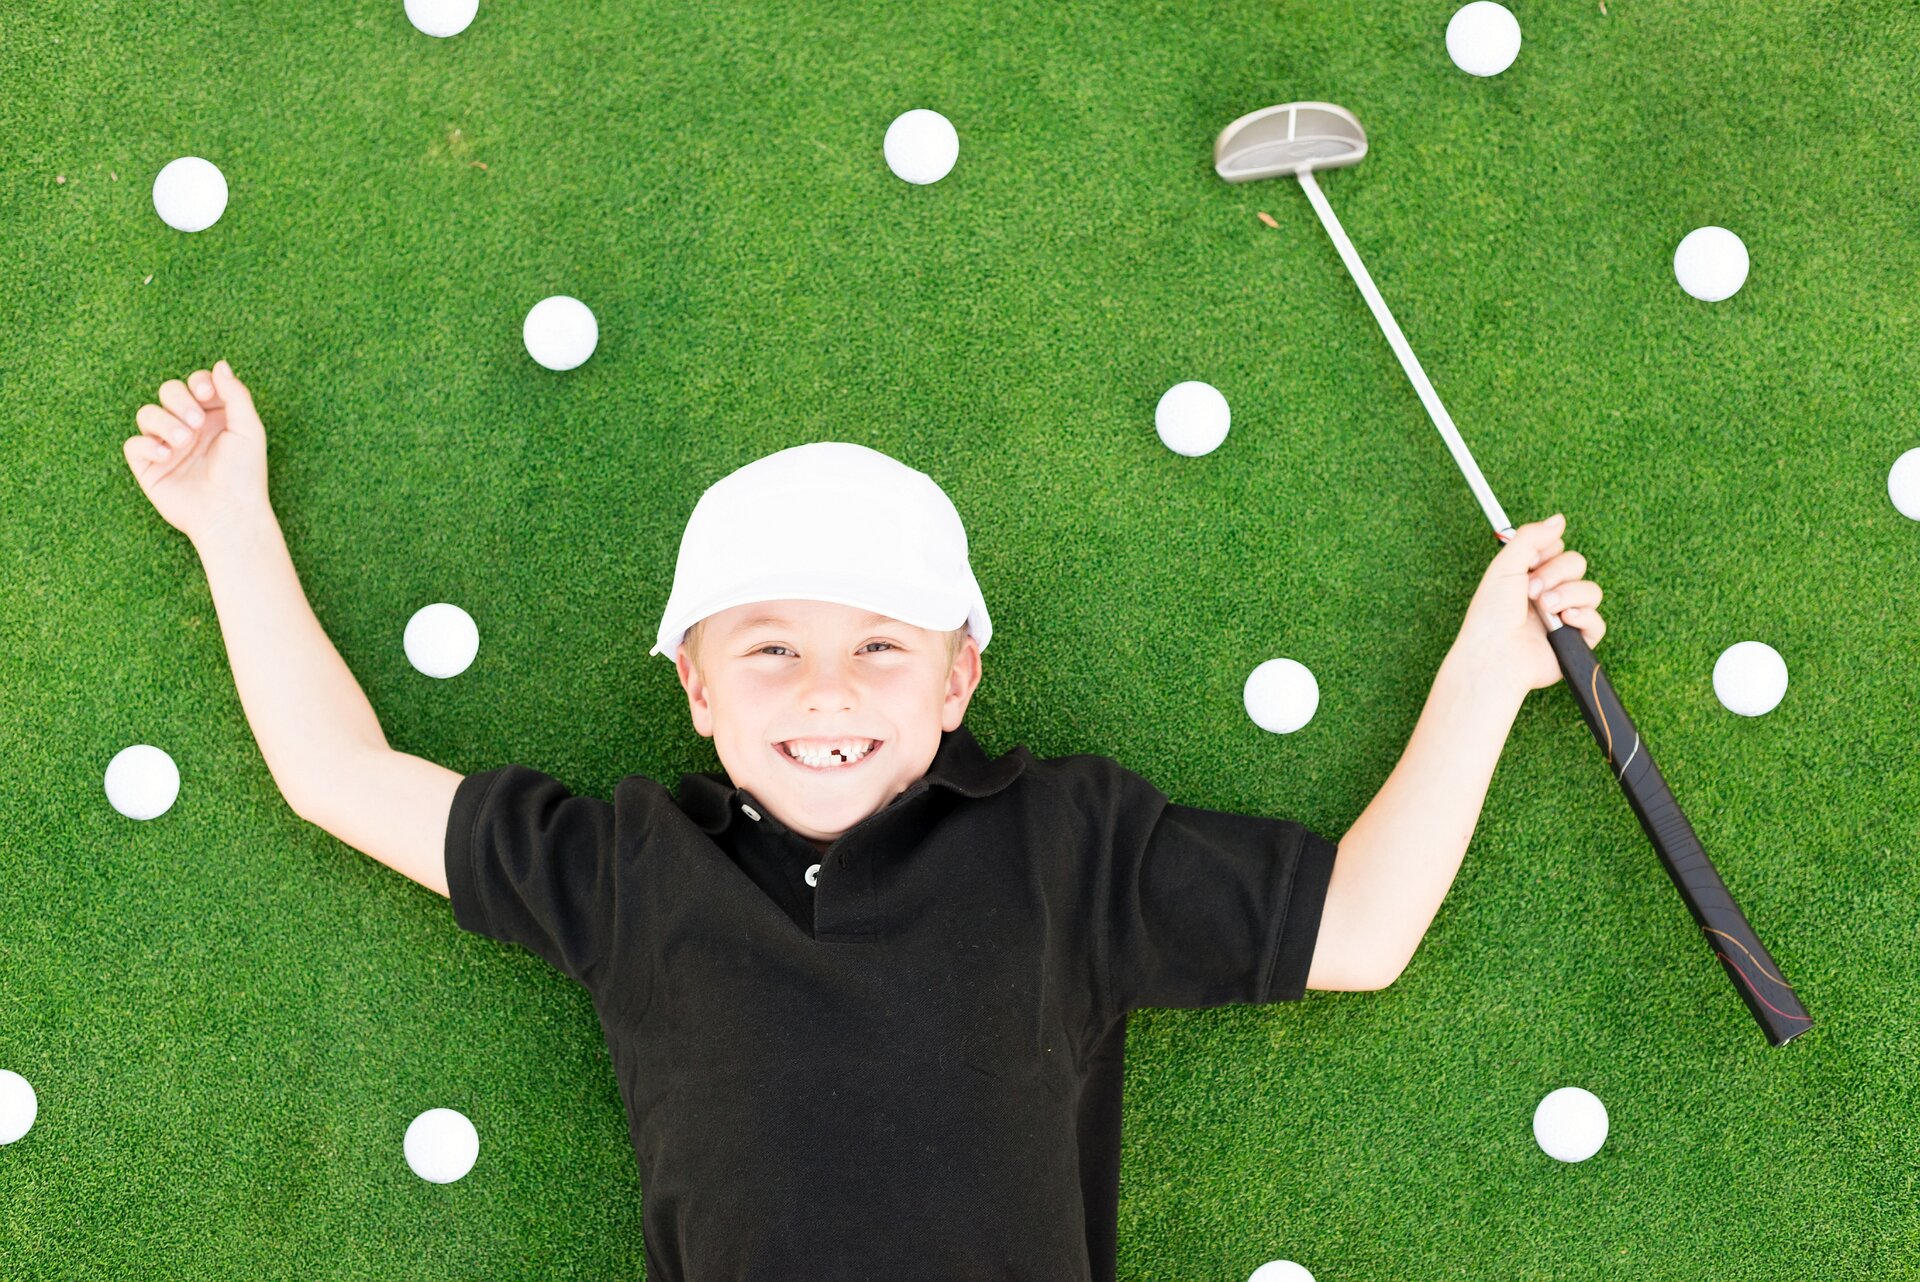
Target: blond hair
[{"x": 954, "y": 640}]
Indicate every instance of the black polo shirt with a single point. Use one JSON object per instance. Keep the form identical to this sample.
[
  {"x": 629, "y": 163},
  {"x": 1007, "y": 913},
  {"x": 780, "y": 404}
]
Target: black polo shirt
[{"x": 901, "y": 1059}]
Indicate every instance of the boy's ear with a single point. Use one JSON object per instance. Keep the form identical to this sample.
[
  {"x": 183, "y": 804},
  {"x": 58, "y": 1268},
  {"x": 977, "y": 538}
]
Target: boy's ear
[
  {"x": 696, "y": 687},
  {"x": 963, "y": 678}
]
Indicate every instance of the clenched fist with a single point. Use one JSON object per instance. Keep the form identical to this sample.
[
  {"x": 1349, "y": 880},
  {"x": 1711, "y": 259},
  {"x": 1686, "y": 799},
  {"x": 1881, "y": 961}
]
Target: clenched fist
[
  {"x": 201, "y": 455},
  {"x": 1535, "y": 571}
]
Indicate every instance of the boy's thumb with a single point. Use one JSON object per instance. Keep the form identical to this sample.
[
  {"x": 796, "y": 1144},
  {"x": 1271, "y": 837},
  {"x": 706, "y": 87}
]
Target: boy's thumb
[
  {"x": 1531, "y": 539},
  {"x": 232, "y": 390}
]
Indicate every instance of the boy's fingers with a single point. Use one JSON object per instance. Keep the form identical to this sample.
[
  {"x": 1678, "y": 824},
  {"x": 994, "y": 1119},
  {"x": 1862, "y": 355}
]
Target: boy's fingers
[
  {"x": 200, "y": 383},
  {"x": 142, "y": 450},
  {"x": 175, "y": 396},
  {"x": 1562, "y": 568},
  {"x": 163, "y": 427},
  {"x": 1583, "y": 594},
  {"x": 1591, "y": 625}
]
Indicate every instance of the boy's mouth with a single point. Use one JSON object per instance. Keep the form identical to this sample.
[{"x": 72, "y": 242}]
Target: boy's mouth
[{"x": 831, "y": 761}]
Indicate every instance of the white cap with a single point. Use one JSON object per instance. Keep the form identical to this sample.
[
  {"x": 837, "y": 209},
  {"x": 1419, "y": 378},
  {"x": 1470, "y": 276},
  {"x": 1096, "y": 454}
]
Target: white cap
[{"x": 829, "y": 521}]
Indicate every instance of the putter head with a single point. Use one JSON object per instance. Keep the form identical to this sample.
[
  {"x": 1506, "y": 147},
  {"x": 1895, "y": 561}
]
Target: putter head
[{"x": 1287, "y": 139}]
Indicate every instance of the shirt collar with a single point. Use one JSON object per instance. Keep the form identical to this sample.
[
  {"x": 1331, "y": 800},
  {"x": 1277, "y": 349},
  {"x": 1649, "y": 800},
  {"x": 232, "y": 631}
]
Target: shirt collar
[{"x": 711, "y": 800}]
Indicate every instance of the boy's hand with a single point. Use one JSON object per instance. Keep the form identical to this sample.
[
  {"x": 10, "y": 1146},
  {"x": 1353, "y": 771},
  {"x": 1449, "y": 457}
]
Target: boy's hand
[
  {"x": 1503, "y": 631},
  {"x": 200, "y": 473}
]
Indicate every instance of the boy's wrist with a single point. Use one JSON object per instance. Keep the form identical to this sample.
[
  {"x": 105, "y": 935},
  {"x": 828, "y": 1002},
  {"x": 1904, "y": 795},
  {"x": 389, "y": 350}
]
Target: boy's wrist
[
  {"x": 241, "y": 523},
  {"x": 1484, "y": 678}
]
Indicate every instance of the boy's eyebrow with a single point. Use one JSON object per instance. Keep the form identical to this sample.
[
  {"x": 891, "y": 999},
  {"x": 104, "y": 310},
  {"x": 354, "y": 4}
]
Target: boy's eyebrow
[{"x": 766, "y": 619}]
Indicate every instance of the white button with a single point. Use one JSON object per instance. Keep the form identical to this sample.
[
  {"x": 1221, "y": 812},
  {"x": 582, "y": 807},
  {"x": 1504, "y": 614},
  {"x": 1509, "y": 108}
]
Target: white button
[
  {"x": 751, "y": 812},
  {"x": 813, "y": 875}
]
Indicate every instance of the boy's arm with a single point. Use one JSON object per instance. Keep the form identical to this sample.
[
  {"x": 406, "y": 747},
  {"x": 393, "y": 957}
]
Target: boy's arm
[
  {"x": 393, "y": 806},
  {"x": 1398, "y": 859},
  {"x": 323, "y": 745}
]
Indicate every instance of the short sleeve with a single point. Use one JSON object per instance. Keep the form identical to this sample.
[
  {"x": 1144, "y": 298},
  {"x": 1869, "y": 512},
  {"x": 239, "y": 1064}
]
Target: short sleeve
[
  {"x": 1208, "y": 907},
  {"x": 529, "y": 863}
]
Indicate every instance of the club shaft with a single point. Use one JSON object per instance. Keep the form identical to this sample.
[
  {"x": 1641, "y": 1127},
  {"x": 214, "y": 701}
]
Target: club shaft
[
  {"x": 1768, "y": 997},
  {"x": 1408, "y": 361}
]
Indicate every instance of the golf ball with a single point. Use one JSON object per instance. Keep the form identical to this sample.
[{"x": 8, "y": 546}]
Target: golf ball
[
  {"x": 1903, "y": 483},
  {"x": 560, "y": 332},
  {"x": 1280, "y": 1271},
  {"x": 441, "y": 1145},
  {"x": 441, "y": 17},
  {"x": 1570, "y": 1124},
  {"x": 142, "y": 781},
  {"x": 18, "y": 1106},
  {"x": 1281, "y": 695},
  {"x": 1192, "y": 418},
  {"x": 1711, "y": 264},
  {"x": 1750, "y": 678},
  {"x": 921, "y": 146},
  {"x": 1483, "y": 38},
  {"x": 441, "y": 640},
  {"x": 190, "y": 194}
]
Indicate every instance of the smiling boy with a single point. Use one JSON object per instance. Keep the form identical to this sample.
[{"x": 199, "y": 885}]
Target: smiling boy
[
  {"x": 867, "y": 1017},
  {"x": 742, "y": 668}
]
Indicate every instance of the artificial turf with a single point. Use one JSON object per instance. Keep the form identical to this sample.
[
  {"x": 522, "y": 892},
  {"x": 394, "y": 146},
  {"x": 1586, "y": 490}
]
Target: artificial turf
[{"x": 230, "y": 1017}]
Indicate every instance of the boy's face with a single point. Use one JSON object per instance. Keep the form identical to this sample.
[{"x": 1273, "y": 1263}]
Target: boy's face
[{"x": 824, "y": 670}]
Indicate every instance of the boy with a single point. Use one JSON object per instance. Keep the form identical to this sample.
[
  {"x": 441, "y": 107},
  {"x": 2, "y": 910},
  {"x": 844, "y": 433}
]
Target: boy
[{"x": 867, "y": 1008}]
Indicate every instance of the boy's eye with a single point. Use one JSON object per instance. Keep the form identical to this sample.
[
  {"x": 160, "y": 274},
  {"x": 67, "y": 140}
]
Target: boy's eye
[{"x": 763, "y": 649}]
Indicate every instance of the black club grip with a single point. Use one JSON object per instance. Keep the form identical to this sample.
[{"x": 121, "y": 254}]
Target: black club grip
[{"x": 1747, "y": 963}]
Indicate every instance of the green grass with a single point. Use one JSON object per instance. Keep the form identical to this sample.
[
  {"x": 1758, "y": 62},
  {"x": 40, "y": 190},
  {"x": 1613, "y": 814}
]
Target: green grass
[{"x": 230, "y": 1017}]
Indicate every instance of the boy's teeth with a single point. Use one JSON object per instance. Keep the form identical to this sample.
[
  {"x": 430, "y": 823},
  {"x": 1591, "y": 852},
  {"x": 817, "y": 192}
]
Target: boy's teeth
[{"x": 841, "y": 752}]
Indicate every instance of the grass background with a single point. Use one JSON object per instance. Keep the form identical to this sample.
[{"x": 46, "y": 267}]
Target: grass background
[{"x": 230, "y": 1017}]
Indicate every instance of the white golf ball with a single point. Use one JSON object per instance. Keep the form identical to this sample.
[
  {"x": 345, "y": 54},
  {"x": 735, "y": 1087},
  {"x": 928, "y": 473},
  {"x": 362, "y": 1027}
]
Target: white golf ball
[
  {"x": 18, "y": 1106},
  {"x": 921, "y": 146},
  {"x": 560, "y": 332},
  {"x": 1280, "y": 1271},
  {"x": 1483, "y": 38},
  {"x": 1750, "y": 678},
  {"x": 1281, "y": 695},
  {"x": 142, "y": 781},
  {"x": 442, "y": 17},
  {"x": 1570, "y": 1124},
  {"x": 1903, "y": 483},
  {"x": 190, "y": 194},
  {"x": 441, "y": 640},
  {"x": 441, "y": 1145},
  {"x": 1711, "y": 263},
  {"x": 1192, "y": 418}
]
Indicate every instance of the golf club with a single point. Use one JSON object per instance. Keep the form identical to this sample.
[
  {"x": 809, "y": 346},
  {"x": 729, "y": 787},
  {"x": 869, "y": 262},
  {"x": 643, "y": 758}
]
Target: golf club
[{"x": 1299, "y": 137}]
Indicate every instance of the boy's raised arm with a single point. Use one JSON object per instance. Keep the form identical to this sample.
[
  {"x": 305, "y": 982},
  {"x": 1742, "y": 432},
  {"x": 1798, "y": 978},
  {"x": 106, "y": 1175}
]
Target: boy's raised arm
[
  {"x": 1398, "y": 859},
  {"x": 201, "y": 458},
  {"x": 306, "y": 710},
  {"x": 315, "y": 727}
]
